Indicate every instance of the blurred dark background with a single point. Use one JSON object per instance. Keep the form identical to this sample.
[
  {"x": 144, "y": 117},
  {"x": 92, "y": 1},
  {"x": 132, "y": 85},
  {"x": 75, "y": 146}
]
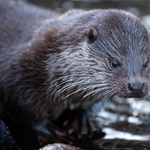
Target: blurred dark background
[{"x": 140, "y": 8}]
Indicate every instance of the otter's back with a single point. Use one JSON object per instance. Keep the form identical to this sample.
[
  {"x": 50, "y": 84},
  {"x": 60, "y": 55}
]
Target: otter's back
[{"x": 18, "y": 21}]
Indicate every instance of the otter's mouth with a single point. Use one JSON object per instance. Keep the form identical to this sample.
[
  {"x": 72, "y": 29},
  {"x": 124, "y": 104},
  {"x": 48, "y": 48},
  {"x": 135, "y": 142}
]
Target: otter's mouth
[{"x": 135, "y": 96}]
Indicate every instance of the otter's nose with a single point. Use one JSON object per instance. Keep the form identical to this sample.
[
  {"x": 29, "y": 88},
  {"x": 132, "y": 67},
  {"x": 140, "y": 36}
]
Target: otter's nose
[{"x": 136, "y": 88}]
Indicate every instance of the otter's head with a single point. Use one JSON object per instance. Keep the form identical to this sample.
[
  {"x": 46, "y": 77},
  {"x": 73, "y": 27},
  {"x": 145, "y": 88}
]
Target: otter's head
[
  {"x": 119, "y": 48},
  {"x": 99, "y": 54}
]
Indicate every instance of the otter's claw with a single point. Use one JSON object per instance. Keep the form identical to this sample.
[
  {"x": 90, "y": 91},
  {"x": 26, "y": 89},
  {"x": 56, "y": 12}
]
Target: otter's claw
[{"x": 78, "y": 122}]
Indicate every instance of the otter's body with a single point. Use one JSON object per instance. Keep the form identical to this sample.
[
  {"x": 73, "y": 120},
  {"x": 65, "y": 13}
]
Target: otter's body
[{"x": 50, "y": 63}]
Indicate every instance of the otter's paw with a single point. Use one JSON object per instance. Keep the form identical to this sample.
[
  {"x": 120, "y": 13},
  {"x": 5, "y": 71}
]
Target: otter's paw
[
  {"x": 50, "y": 133},
  {"x": 78, "y": 122}
]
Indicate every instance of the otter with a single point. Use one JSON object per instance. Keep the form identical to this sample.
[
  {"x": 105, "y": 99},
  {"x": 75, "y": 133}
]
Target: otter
[{"x": 51, "y": 63}]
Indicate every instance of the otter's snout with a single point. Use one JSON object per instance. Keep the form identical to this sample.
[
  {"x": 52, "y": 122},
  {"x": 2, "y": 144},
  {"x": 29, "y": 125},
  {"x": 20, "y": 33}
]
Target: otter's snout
[{"x": 136, "y": 89}]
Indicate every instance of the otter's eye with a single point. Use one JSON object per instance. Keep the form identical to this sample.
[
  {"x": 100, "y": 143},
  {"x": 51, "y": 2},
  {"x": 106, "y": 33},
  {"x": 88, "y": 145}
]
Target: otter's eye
[{"x": 115, "y": 64}]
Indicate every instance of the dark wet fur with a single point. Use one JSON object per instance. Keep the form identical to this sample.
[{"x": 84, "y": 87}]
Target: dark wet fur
[{"x": 50, "y": 63}]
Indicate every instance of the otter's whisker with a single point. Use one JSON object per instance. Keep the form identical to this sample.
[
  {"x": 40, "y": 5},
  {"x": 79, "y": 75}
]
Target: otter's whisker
[
  {"x": 71, "y": 85},
  {"x": 95, "y": 91},
  {"x": 68, "y": 81},
  {"x": 104, "y": 93}
]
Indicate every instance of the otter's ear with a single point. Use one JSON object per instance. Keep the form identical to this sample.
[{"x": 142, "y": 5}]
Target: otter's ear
[{"x": 91, "y": 35}]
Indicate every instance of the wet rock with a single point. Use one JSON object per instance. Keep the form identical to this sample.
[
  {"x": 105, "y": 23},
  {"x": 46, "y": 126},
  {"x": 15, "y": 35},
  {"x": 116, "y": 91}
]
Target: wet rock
[
  {"x": 59, "y": 146},
  {"x": 6, "y": 140}
]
